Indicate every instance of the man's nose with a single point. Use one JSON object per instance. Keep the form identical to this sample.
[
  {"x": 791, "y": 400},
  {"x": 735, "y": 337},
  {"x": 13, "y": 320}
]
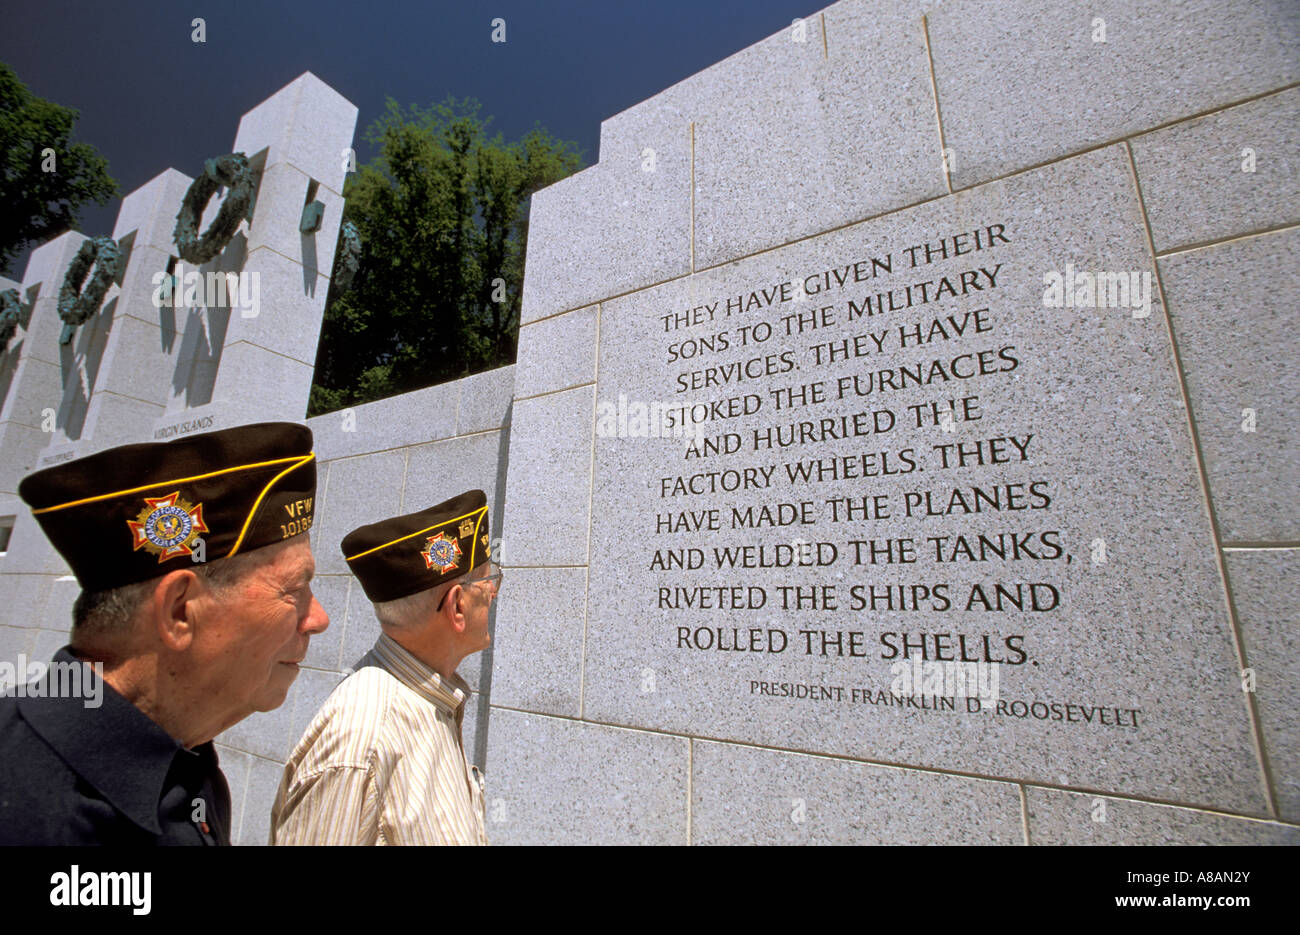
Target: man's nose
[{"x": 316, "y": 621}]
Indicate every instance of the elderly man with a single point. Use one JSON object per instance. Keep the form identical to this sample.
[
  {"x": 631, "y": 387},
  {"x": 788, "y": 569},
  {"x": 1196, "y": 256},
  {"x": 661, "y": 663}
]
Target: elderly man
[
  {"x": 383, "y": 761},
  {"x": 196, "y": 608}
]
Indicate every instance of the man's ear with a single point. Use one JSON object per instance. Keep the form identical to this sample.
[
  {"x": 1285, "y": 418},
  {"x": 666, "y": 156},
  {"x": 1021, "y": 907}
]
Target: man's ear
[
  {"x": 457, "y": 599},
  {"x": 172, "y": 608}
]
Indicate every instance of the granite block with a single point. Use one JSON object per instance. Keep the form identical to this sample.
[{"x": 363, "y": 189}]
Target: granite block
[
  {"x": 23, "y": 598},
  {"x": 1071, "y": 818},
  {"x": 193, "y": 340},
  {"x": 134, "y": 343},
  {"x": 476, "y": 668},
  {"x": 130, "y": 365},
  {"x": 50, "y": 640},
  {"x": 1266, "y": 590},
  {"x": 9, "y": 356},
  {"x": 1200, "y": 185},
  {"x": 22, "y": 445},
  {"x": 794, "y": 138},
  {"x": 263, "y": 781},
  {"x": 747, "y": 795},
  {"x": 1232, "y": 307},
  {"x": 556, "y": 781},
  {"x": 288, "y": 303},
  {"x": 612, "y": 227},
  {"x": 113, "y": 420},
  {"x": 273, "y": 734},
  {"x": 38, "y": 601},
  {"x": 408, "y": 419},
  {"x": 485, "y": 400},
  {"x": 537, "y": 656},
  {"x": 141, "y": 293},
  {"x": 212, "y": 417},
  {"x": 40, "y": 338},
  {"x": 342, "y": 508},
  {"x": 29, "y": 551},
  {"x": 1159, "y": 62},
  {"x": 440, "y": 470},
  {"x": 361, "y": 629},
  {"x": 307, "y": 124},
  {"x": 46, "y": 267},
  {"x": 1143, "y": 638},
  {"x": 263, "y": 385},
  {"x": 548, "y": 489},
  {"x": 332, "y": 593},
  {"x": 474, "y": 729},
  {"x": 38, "y": 385},
  {"x": 276, "y": 219},
  {"x": 198, "y": 295},
  {"x": 557, "y": 353},
  {"x": 13, "y": 642},
  {"x": 150, "y": 211},
  {"x": 62, "y": 594},
  {"x": 235, "y": 765},
  {"x": 80, "y": 362},
  {"x": 60, "y": 450}
]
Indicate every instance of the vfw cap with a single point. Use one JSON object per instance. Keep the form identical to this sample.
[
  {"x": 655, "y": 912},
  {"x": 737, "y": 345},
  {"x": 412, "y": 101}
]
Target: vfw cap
[
  {"x": 139, "y": 511},
  {"x": 407, "y": 554}
]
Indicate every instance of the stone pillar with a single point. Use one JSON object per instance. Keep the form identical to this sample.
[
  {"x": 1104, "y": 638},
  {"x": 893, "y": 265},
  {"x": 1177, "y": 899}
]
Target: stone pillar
[
  {"x": 33, "y": 424},
  {"x": 299, "y": 137},
  {"x": 40, "y": 386},
  {"x": 139, "y": 369}
]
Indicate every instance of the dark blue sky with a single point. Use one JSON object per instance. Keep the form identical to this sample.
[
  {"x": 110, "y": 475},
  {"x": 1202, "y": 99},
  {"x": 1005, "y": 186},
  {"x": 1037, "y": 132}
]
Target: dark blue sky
[{"x": 150, "y": 98}]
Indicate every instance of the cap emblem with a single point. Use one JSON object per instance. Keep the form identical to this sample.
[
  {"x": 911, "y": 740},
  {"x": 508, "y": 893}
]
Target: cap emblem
[
  {"x": 167, "y": 526},
  {"x": 441, "y": 553}
]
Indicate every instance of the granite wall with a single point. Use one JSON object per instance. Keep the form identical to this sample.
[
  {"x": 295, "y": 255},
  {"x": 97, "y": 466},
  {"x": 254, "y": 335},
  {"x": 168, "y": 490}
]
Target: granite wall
[
  {"x": 1140, "y": 137},
  {"x": 1143, "y": 137}
]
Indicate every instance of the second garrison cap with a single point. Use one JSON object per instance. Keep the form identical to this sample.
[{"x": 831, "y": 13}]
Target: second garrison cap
[
  {"x": 140, "y": 511},
  {"x": 406, "y": 554}
]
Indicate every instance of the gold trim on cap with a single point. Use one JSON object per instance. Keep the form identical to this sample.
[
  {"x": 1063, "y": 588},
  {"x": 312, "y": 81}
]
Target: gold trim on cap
[
  {"x": 180, "y": 480},
  {"x": 305, "y": 459},
  {"x": 437, "y": 525},
  {"x": 473, "y": 543}
]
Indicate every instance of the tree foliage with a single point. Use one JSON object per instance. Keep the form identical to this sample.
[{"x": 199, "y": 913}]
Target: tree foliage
[
  {"x": 443, "y": 217},
  {"x": 36, "y": 204}
]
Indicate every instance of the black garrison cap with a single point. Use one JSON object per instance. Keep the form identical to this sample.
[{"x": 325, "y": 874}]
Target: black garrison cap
[
  {"x": 407, "y": 554},
  {"x": 139, "y": 511}
]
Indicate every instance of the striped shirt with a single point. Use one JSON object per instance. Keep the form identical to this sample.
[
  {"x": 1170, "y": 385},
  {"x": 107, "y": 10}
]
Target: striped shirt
[{"x": 382, "y": 762}]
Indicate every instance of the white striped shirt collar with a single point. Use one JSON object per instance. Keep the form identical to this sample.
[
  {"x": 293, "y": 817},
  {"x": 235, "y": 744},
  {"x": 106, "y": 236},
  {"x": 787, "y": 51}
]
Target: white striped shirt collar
[{"x": 447, "y": 693}]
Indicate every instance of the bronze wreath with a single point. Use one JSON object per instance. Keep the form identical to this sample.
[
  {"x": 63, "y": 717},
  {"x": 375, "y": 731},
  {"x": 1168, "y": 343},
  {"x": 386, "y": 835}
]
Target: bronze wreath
[
  {"x": 10, "y": 307},
  {"x": 76, "y": 305},
  {"x": 232, "y": 172},
  {"x": 348, "y": 260}
]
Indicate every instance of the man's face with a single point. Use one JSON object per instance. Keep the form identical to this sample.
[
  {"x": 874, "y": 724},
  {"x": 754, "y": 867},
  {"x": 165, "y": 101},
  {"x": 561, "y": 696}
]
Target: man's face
[
  {"x": 479, "y": 596},
  {"x": 255, "y": 631}
]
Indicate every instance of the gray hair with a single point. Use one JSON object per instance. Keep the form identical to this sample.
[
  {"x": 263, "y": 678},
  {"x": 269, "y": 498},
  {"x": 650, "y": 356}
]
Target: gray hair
[
  {"x": 106, "y": 615},
  {"x": 411, "y": 610}
]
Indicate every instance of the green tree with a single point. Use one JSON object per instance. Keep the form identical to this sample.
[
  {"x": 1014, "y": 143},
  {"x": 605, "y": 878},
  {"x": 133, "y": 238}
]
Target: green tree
[
  {"x": 443, "y": 217},
  {"x": 42, "y": 193}
]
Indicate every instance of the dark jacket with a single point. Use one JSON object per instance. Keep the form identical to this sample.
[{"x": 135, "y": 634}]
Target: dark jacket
[{"x": 72, "y": 773}]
